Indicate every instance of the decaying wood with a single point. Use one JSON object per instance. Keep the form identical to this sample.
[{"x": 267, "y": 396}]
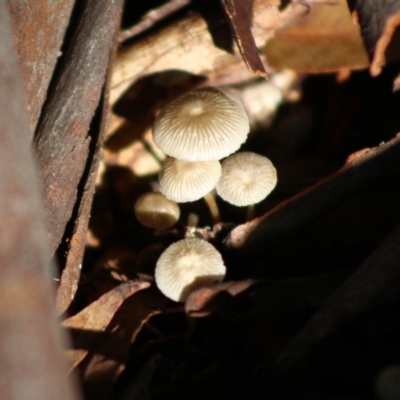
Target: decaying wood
[
  {"x": 295, "y": 214},
  {"x": 240, "y": 14},
  {"x": 72, "y": 270},
  {"x": 187, "y": 45},
  {"x": 378, "y": 21},
  {"x": 62, "y": 142},
  {"x": 31, "y": 363},
  {"x": 38, "y": 30},
  {"x": 152, "y": 17},
  {"x": 375, "y": 282}
]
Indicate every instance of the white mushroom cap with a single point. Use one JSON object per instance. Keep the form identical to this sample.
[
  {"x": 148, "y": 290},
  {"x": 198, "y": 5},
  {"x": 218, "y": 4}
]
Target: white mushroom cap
[
  {"x": 246, "y": 178},
  {"x": 154, "y": 210},
  {"x": 204, "y": 124},
  {"x": 184, "y": 181},
  {"x": 187, "y": 265}
]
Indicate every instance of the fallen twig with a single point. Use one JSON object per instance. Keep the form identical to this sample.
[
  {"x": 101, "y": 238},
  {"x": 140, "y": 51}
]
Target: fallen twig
[{"x": 151, "y": 18}]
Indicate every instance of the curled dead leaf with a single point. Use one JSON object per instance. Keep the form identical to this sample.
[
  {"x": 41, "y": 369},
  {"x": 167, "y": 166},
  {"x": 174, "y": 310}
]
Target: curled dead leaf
[{"x": 211, "y": 299}]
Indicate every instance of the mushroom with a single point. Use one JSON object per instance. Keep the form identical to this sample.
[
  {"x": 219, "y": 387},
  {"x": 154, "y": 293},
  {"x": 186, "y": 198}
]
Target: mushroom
[
  {"x": 246, "y": 179},
  {"x": 154, "y": 210},
  {"x": 186, "y": 265},
  {"x": 204, "y": 124},
  {"x": 184, "y": 181}
]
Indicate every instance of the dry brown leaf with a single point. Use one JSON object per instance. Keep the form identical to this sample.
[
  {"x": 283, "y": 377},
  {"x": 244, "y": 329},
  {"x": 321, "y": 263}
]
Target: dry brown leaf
[
  {"x": 187, "y": 45},
  {"x": 208, "y": 300},
  {"x": 108, "y": 360},
  {"x": 323, "y": 39},
  {"x": 240, "y": 14},
  {"x": 378, "y": 21},
  {"x": 96, "y": 317}
]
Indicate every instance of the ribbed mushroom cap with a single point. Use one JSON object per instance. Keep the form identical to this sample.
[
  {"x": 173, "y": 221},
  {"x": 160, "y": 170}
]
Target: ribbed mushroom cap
[
  {"x": 187, "y": 265},
  {"x": 204, "y": 124},
  {"x": 246, "y": 178},
  {"x": 154, "y": 210},
  {"x": 184, "y": 181}
]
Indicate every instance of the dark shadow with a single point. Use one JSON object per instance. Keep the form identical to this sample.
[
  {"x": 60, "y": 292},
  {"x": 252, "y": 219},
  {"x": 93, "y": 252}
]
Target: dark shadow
[{"x": 217, "y": 23}]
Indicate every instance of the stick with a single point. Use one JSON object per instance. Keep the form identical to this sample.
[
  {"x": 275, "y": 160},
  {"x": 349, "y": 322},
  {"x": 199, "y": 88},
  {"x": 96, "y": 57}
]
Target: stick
[{"x": 151, "y": 18}]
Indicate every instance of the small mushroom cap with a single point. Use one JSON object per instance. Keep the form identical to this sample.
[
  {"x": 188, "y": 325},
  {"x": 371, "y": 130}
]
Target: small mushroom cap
[
  {"x": 154, "y": 210},
  {"x": 246, "y": 178},
  {"x": 187, "y": 265},
  {"x": 204, "y": 124},
  {"x": 184, "y": 181}
]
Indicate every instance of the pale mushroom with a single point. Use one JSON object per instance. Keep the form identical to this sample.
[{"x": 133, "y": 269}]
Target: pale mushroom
[
  {"x": 154, "y": 210},
  {"x": 246, "y": 179},
  {"x": 187, "y": 265},
  {"x": 184, "y": 181},
  {"x": 204, "y": 124}
]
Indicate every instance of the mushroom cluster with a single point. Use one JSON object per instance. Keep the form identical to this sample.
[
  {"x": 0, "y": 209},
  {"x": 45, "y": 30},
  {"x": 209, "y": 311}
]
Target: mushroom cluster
[{"x": 195, "y": 131}]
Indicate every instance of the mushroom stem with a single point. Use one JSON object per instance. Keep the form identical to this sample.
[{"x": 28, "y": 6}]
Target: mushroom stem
[
  {"x": 193, "y": 220},
  {"x": 150, "y": 149},
  {"x": 250, "y": 212},
  {"x": 191, "y": 326},
  {"x": 213, "y": 207}
]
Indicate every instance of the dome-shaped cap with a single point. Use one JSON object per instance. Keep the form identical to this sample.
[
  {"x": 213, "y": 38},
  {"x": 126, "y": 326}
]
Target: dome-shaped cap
[
  {"x": 184, "y": 181},
  {"x": 204, "y": 124},
  {"x": 246, "y": 178},
  {"x": 187, "y": 265},
  {"x": 154, "y": 210}
]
